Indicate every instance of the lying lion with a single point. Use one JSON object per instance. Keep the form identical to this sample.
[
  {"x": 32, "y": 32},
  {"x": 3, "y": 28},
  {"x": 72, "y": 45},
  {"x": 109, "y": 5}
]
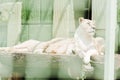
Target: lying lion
[{"x": 83, "y": 43}]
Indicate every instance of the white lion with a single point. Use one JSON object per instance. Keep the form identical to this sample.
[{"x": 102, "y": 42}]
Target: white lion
[{"x": 83, "y": 44}]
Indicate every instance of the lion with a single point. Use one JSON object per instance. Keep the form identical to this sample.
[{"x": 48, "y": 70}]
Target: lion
[
  {"x": 83, "y": 43},
  {"x": 86, "y": 44}
]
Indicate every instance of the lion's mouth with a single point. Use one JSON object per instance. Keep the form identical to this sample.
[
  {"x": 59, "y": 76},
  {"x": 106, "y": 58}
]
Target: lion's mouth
[{"x": 91, "y": 31}]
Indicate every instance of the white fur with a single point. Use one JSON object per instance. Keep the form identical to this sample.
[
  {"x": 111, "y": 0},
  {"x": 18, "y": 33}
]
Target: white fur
[{"x": 84, "y": 44}]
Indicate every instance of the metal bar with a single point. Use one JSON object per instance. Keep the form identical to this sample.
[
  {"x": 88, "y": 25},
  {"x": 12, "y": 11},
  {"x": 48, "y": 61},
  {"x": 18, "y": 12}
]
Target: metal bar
[{"x": 110, "y": 24}]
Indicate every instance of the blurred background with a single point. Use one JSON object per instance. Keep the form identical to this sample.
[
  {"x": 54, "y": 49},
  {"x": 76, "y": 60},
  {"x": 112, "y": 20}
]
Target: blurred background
[{"x": 41, "y": 19}]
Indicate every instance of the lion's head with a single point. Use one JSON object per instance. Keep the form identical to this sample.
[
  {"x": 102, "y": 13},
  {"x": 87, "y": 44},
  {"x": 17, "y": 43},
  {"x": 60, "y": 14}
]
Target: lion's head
[
  {"x": 87, "y": 26},
  {"x": 85, "y": 33}
]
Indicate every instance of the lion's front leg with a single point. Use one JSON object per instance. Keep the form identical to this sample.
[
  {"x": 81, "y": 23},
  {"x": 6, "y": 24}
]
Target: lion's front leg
[{"x": 88, "y": 54}]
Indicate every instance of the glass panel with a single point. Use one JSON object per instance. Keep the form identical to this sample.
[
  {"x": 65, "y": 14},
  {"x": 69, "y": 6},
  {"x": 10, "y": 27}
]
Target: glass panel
[
  {"x": 3, "y": 34},
  {"x": 37, "y": 13}
]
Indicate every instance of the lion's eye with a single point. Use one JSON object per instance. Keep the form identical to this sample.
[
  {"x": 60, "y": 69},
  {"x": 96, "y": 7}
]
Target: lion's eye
[{"x": 93, "y": 27}]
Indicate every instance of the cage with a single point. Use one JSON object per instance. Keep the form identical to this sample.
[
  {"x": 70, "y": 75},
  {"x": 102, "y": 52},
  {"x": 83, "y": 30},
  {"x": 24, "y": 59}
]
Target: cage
[{"x": 44, "y": 20}]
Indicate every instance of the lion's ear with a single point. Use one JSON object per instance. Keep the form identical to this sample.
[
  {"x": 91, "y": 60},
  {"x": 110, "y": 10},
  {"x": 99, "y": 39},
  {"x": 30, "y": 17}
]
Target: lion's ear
[{"x": 81, "y": 19}]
